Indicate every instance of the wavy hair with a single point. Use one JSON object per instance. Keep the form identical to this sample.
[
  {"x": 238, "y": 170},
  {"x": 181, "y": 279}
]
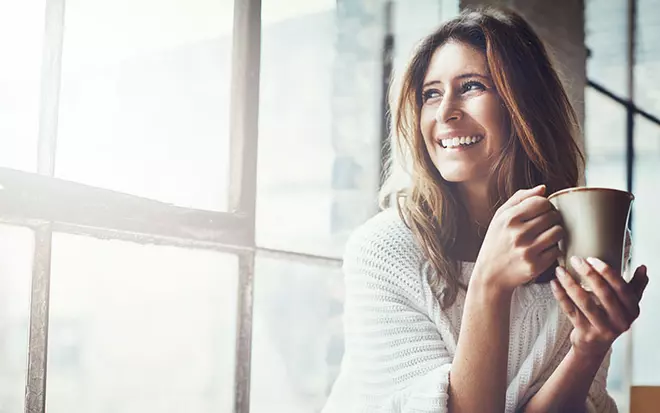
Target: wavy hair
[{"x": 541, "y": 146}]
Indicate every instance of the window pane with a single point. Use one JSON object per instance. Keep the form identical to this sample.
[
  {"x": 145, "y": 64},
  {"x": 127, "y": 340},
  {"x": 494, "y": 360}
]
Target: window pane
[
  {"x": 647, "y": 58},
  {"x": 605, "y": 140},
  {"x": 298, "y": 336},
  {"x": 145, "y": 98},
  {"x": 16, "y": 250},
  {"x": 411, "y": 24},
  {"x": 140, "y": 328},
  {"x": 320, "y": 117},
  {"x": 20, "y": 80},
  {"x": 606, "y": 32},
  {"x": 646, "y": 239}
]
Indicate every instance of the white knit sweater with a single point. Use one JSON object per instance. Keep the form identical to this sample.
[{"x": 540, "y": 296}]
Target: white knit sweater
[{"x": 400, "y": 345}]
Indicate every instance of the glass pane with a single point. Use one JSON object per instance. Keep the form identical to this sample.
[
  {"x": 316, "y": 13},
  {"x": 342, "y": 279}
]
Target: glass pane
[
  {"x": 145, "y": 98},
  {"x": 647, "y": 56},
  {"x": 605, "y": 146},
  {"x": 646, "y": 239},
  {"x": 140, "y": 328},
  {"x": 605, "y": 141},
  {"x": 298, "y": 336},
  {"x": 425, "y": 17},
  {"x": 16, "y": 251},
  {"x": 319, "y": 147},
  {"x": 606, "y": 32},
  {"x": 20, "y": 80}
]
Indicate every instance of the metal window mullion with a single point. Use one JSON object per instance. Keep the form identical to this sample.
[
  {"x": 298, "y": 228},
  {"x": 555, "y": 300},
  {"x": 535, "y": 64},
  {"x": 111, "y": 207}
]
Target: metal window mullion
[
  {"x": 28, "y": 199},
  {"x": 35, "y": 388},
  {"x": 630, "y": 155},
  {"x": 246, "y": 264},
  {"x": 637, "y": 110},
  {"x": 630, "y": 80},
  {"x": 300, "y": 257},
  {"x": 387, "y": 59},
  {"x": 244, "y": 120},
  {"x": 51, "y": 69},
  {"x": 244, "y": 106}
]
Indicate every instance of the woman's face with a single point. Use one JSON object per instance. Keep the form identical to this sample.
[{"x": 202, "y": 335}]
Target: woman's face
[{"x": 462, "y": 119}]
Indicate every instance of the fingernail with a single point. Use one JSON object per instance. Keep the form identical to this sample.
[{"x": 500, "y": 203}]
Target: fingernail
[
  {"x": 560, "y": 272},
  {"x": 553, "y": 285},
  {"x": 596, "y": 263},
  {"x": 576, "y": 262}
]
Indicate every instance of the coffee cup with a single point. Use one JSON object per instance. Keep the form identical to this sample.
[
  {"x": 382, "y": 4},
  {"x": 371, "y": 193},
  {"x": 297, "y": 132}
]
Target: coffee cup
[{"x": 595, "y": 221}]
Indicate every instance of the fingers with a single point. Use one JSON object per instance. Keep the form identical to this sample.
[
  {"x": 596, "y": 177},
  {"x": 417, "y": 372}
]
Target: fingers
[
  {"x": 616, "y": 307},
  {"x": 627, "y": 294},
  {"x": 639, "y": 281},
  {"x": 595, "y": 315},
  {"x": 531, "y": 208},
  {"x": 567, "y": 306},
  {"x": 523, "y": 194},
  {"x": 545, "y": 230},
  {"x": 548, "y": 256}
]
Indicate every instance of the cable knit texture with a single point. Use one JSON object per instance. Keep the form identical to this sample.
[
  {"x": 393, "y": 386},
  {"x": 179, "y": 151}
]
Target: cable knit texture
[{"x": 400, "y": 344}]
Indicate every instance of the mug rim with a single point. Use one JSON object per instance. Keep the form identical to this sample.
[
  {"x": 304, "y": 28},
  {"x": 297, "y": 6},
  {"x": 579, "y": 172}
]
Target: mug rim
[{"x": 590, "y": 188}]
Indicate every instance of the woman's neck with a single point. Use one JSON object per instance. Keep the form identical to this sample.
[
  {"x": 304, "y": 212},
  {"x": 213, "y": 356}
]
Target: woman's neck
[
  {"x": 474, "y": 221},
  {"x": 477, "y": 202}
]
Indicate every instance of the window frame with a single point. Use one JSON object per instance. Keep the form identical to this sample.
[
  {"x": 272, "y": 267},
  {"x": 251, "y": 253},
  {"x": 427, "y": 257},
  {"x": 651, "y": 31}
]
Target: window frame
[
  {"x": 46, "y": 204},
  {"x": 632, "y": 109}
]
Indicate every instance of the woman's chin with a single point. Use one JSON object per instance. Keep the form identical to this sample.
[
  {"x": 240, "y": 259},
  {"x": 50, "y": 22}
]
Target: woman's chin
[{"x": 457, "y": 176}]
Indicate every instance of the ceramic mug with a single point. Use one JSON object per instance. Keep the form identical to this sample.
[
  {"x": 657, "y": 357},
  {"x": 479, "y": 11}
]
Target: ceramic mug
[{"x": 595, "y": 222}]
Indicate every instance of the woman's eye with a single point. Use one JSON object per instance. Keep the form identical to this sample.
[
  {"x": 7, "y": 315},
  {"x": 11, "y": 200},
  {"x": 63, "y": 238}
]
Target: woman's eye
[
  {"x": 430, "y": 94},
  {"x": 472, "y": 85}
]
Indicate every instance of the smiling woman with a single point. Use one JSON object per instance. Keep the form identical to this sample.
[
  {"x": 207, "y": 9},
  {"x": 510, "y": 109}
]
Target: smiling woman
[{"x": 487, "y": 131}]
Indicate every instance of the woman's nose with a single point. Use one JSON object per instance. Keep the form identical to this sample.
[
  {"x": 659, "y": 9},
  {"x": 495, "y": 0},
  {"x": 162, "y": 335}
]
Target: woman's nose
[{"x": 448, "y": 111}]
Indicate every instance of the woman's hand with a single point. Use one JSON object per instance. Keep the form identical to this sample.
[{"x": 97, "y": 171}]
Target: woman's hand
[
  {"x": 521, "y": 241},
  {"x": 601, "y": 317}
]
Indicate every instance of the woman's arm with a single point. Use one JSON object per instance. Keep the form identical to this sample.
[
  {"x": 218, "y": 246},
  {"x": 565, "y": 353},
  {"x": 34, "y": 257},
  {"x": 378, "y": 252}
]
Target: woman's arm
[
  {"x": 568, "y": 386},
  {"x": 395, "y": 359},
  {"x": 478, "y": 375},
  {"x": 520, "y": 243}
]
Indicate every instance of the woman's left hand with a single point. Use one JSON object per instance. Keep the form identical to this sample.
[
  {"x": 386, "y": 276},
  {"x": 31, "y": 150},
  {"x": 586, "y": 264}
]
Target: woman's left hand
[{"x": 598, "y": 322}]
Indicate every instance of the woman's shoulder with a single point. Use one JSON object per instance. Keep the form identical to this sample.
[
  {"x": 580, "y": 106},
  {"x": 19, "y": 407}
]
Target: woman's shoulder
[
  {"x": 385, "y": 235},
  {"x": 383, "y": 257}
]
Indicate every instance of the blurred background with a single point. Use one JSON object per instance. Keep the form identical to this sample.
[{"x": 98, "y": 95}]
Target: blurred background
[{"x": 137, "y": 96}]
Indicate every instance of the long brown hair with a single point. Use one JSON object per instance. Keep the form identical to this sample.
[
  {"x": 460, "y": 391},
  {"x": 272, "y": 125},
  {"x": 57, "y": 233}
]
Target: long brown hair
[{"x": 541, "y": 147}]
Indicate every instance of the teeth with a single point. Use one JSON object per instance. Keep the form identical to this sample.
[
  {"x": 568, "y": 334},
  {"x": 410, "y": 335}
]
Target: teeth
[{"x": 463, "y": 140}]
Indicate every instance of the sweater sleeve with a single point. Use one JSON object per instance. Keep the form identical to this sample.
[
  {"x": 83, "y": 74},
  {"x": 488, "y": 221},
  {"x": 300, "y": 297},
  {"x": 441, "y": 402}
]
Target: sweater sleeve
[{"x": 397, "y": 359}]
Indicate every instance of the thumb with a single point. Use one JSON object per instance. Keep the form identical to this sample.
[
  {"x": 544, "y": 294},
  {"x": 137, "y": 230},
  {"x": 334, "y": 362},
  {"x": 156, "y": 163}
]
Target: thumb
[
  {"x": 523, "y": 194},
  {"x": 639, "y": 281}
]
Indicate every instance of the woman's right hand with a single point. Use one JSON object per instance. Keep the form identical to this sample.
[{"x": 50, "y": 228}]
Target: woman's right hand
[{"x": 521, "y": 241}]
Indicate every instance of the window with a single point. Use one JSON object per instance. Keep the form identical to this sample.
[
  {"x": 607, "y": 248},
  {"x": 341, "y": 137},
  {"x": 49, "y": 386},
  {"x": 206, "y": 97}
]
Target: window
[
  {"x": 623, "y": 148},
  {"x": 154, "y": 325},
  {"x": 16, "y": 253},
  {"x": 153, "y": 254}
]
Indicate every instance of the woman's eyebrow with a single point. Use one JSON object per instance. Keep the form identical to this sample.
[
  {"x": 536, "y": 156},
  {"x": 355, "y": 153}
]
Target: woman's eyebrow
[{"x": 461, "y": 76}]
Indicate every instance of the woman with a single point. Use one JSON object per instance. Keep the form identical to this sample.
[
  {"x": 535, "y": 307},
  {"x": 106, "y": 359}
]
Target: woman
[{"x": 489, "y": 131}]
